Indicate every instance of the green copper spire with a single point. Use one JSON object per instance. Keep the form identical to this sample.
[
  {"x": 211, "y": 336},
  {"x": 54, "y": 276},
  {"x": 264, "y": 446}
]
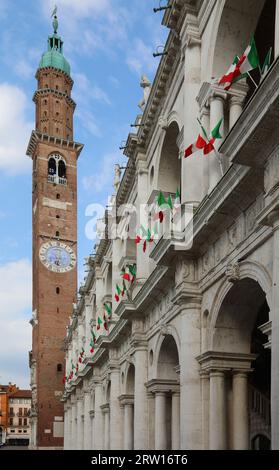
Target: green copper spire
[{"x": 54, "y": 56}]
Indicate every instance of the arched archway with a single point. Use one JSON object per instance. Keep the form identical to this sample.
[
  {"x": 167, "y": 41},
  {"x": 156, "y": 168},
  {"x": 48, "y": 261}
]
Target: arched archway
[
  {"x": 169, "y": 169},
  {"x": 239, "y": 366},
  {"x": 167, "y": 396},
  {"x": 237, "y": 21}
]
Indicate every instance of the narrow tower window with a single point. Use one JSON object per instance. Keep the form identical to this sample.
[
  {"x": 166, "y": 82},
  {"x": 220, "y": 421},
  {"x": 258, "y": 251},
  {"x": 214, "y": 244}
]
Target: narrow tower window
[
  {"x": 57, "y": 290},
  {"x": 51, "y": 166}
]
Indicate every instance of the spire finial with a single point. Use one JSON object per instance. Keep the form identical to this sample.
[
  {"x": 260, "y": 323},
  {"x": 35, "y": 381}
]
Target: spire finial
[{"x": 55, "y": 20}]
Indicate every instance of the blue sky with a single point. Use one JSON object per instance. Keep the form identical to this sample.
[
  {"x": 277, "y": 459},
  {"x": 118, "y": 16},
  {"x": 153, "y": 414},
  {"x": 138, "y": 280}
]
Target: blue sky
[{"x": 109, "y": 44}]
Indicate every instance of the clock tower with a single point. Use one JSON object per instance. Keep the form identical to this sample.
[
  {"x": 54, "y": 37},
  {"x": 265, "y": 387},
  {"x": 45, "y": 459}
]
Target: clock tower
[{"x": 54, "y": 154}]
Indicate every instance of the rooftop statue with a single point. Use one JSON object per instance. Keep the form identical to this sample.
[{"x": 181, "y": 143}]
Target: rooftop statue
[{"x": 146, "y": 85}]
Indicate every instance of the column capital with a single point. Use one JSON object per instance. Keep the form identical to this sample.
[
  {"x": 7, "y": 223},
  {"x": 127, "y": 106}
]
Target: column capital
[
  {"x": 126, "y": 400},
  {"x": 217, "y": 93},
  {"x": 105, "y": 408},
  {"x": 241, "y": 373}
]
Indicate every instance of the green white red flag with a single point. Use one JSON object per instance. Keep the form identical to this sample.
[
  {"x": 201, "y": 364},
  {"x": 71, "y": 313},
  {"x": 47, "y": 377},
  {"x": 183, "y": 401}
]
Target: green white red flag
[
  {"x": 241, "y": 65},
  {"x": 99, "y": 323},
  {"x": 117, "y": 293},
  {"x": 206, "y": 144}
]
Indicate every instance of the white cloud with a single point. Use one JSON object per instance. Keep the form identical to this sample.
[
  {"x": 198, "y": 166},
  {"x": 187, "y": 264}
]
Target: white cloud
[
  {"x": 140, "y": 58},
  {"x": 104, "y": 177},
  {"x": 108, "y": 22},
  {"x": 15, "y": 130},
  {"x": 15, "y": 331},
  {"x": 86, "y": 89},
  {"x": 89, "y": 123}
]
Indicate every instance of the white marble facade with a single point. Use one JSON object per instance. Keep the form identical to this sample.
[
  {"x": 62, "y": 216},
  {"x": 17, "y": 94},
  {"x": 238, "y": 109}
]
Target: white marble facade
[{"x": 191, "y": 360}]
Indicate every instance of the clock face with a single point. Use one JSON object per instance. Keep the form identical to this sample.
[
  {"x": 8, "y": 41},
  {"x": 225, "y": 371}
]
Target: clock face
[{"x": 57, "y": 257}]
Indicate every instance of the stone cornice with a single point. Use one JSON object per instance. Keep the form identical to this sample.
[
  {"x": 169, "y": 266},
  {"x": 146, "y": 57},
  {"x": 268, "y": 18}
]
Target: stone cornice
[
  {"x": 254, "y": 135},
  {"x": 145, "y": 297},
  {"x": 57, "y": 72},
  {"x": 155, "y": 101},
  {"x": 126, "y": 400},
  {"x": 163, "y": 386},
  {"x": 126, "y": 184},
  {"x": 172, "y": 15},
  {"x": 115, "y": 336},
  {"x": 38, "y": 137},
  {"x": 58, "y": 94},
  {"x": 224, "y": 361}
]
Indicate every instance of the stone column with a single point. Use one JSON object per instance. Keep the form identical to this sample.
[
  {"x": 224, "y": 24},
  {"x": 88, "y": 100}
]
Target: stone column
[
  {"x": 92, "y": 418},
  {"x": 66, "y": 418},
  {"x": 240, "y": 411},
  {"x": 151, "y": 420},
  {"x": 116, "y": 431},
  {"x": 79, "y": 423},
  {"x": 140, "y": 403},
  {"x": 87, "y": 421},
  {"x": 217, "y": 100},
  {"x": 217, "y": 416},
  {"x": 98, "y": 419},
  {"x": 205, "y": 409},
  {"x": 128, "y": 426},
  {"x": 175, "y": 421},
  {"x": 106, "y": 421},
  {"x": 274, "y": 219},
  {"x": 160, "y": 421},
  {"x": 192, "y": 167},
  {"x": 74, "y": 426},
  {"x": 190, "y": 390},
  {"x": 236, "y": 108}
]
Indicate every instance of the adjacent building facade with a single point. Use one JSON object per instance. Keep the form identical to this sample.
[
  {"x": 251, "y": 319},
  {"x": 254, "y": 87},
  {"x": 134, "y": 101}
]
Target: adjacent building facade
[
  {"x": 54, "y": 154},
  {"x": 15, "y": 405},
  {"x": 18, "y": 428}
]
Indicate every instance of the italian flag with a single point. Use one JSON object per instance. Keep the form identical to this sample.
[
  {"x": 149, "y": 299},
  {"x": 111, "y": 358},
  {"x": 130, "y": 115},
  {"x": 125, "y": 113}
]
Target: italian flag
[
  {"x": 241, "y": 66},
  {"x": 72, "y": 364},
  {"x": 137, "y": 240},
  {"x": 266, "y": 65},
  {"x": 99, "y": 322},
  {"x": 118, "y": 293},
  {"x": 162, "y": 206},
  {"x": 105, "y": 322},
  {"x": 82, "y": 352},
  {"x": 126, "y": 276},
  {"x": 133, "y": 271},
  {"x": 198, "y": 145},
  {"x": 206, "y": 144},
  {"x": 108, "y": 310},
  {"x": 93, "y": 337},
  {"x": 124, "y": 288}
]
